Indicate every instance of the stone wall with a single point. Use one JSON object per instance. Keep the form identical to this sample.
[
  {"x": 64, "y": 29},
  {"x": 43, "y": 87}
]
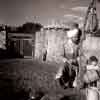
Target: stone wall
[
  {"x": 55, "y": 49},
  {"x": 91, "y": 46},
  {"x": 52, "y": 40},
  {"x": 39, "y": 44}
]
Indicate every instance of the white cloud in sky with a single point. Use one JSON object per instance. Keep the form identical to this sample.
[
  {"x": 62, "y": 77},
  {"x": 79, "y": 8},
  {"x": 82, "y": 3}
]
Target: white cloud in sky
[
  {"x": 73, "y": 17},
  {"x": 79, "y": 9}
]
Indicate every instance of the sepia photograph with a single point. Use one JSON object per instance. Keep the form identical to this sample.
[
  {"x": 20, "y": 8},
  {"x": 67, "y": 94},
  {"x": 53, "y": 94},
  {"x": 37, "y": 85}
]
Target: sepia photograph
[{"x": 49, "y": 49}]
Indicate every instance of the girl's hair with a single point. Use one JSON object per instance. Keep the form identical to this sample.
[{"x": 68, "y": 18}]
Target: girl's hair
[{"x": 92, "y": 58}]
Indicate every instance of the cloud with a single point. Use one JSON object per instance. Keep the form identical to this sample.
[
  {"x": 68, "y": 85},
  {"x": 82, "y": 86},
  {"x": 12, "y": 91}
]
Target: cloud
[
  {"x": 66, "y": 21},
  {"x": 80, "y": 9},
  {"x": 70, "y": 18},
  {"x": 73, "y": 17}
]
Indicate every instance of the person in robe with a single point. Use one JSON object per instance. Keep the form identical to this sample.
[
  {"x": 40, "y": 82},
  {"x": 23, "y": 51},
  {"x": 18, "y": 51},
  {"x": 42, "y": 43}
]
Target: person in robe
[{"x": 71, "y": 56}]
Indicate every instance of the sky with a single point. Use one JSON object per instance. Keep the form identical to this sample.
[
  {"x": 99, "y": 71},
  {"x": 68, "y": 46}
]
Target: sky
[{"x": 17, "y": 12}]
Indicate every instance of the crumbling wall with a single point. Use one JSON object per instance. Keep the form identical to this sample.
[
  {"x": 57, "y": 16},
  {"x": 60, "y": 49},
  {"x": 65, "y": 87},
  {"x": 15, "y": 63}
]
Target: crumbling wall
[
  {"x": 55, "y": 47},
  {"x": 52, "y": 41},
  {"x": 91, "y": 46},
  {"x": 39, "y": 43}
]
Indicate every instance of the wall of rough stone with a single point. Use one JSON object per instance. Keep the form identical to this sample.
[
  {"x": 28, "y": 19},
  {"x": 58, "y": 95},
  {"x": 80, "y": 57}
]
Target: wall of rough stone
[
  {"x": 39, "y": 44},
  {"x": 55, "y": 49},
  {"x": 52, "y": 41},
  {"x": 91, "y": 46}
]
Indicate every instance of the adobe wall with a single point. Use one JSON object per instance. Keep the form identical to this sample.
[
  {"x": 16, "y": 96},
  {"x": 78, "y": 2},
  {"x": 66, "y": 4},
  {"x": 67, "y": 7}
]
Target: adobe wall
[
  {"x": 52, "y": 41},
  {"x": 91, "y": 46},
  {"x": 39, "y": 44}
]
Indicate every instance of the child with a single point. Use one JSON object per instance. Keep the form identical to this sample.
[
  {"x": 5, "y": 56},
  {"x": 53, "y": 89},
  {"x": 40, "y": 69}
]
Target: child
[
  {"x": 92, "y": 72},
  {"x": 91, "y": 77},
  {"x": 92, "y": 63}
]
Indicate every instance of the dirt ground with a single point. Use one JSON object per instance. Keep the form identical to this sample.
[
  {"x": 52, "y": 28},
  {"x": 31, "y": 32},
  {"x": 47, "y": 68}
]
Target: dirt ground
[{"x": 20, "y": 79}]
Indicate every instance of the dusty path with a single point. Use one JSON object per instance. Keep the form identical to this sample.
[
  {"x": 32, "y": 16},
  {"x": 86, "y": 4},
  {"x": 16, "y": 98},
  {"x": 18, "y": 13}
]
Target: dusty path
[{"x": 28, "y": 74}]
